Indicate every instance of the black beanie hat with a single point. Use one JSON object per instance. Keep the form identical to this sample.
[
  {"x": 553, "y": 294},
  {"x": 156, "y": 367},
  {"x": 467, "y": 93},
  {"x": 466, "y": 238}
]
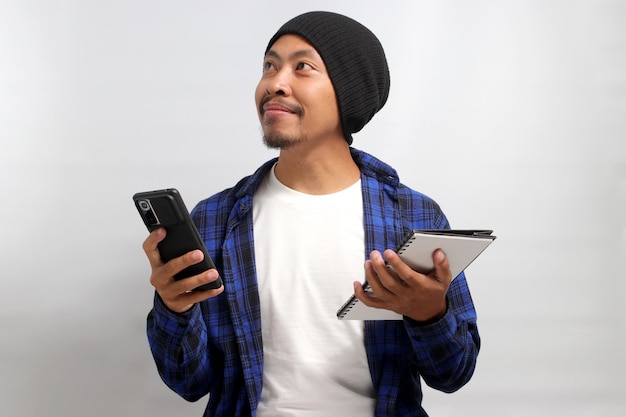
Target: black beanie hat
[{"x": 355, "y": 61}]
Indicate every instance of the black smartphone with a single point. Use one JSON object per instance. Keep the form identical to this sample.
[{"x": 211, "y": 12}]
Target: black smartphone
[{"x": 165, "y": 208}]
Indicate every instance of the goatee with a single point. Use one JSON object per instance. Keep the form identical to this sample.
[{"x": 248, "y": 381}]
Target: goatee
[
  {"x": 271, "y": 137},
  {"x": 274, "y": 140}
]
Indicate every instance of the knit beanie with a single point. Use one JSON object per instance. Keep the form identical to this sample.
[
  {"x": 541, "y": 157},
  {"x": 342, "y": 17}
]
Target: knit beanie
[{"x": 355, "y": 61}]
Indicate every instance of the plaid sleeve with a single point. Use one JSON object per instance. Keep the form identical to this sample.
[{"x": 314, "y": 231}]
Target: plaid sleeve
[
  {"x": 178, "y": 345},
  {"x": 445, "y": 351}
]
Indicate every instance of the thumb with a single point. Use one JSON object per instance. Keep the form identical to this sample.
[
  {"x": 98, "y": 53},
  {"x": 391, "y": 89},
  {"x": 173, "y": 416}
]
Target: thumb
[{"x": 442, "y": 266}]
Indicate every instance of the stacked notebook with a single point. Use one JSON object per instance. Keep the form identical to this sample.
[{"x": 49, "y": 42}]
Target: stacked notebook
[{"x": 461, "y": 247}]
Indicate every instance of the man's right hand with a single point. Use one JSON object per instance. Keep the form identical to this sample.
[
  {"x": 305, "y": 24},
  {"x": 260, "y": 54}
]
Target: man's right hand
[{"x": 179, "y": 296}]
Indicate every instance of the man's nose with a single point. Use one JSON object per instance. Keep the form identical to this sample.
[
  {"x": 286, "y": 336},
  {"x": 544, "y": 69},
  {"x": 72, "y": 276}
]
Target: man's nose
[{"x": 280, "y": 83}]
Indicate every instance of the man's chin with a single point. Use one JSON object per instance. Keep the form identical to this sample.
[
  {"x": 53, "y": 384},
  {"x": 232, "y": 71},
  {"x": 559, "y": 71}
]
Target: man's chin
[{"x": 282, "y": 141}]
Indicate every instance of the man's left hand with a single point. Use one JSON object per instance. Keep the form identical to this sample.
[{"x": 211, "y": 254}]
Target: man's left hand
[{"x": 403, "y": 290}]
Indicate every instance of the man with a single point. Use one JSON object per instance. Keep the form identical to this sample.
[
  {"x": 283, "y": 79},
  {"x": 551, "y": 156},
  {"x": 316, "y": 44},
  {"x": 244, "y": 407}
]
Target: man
[{"x": 292, "y": 239}]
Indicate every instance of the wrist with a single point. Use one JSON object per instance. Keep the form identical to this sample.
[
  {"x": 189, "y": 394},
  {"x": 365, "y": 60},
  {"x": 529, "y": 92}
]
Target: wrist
[{"x": 423, "y": 320}]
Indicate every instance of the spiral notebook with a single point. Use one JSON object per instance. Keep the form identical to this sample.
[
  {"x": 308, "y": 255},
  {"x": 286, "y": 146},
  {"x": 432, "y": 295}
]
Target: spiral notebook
[{"x": 461, "y": 247}]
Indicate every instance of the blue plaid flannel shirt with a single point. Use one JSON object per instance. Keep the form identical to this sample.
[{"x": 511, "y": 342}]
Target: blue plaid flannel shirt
[{"x": 216, "y": 348}]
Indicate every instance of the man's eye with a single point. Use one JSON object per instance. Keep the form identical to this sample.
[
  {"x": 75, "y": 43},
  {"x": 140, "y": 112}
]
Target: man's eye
[
  {"x": 304, "y": 66},
  {"x": 267, "y": 66}
]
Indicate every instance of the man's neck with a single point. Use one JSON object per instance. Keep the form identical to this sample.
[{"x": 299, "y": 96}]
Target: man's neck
[{"x": 317, "y": 170}]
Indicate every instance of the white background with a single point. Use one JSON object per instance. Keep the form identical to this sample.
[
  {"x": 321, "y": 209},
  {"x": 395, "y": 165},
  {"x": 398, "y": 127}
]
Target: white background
[{"x": 511, "y": 114}]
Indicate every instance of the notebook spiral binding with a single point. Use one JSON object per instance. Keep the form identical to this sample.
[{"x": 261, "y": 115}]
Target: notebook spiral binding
[
  {"x": 405, "y": 244},
  {"x": 353, "y": 300},
  {"x": 347, "y": 309}
]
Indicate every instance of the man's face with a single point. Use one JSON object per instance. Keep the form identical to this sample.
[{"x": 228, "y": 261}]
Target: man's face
[{"x": 295, "y": 98}]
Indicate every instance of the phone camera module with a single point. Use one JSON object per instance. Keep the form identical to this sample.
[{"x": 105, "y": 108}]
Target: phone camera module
[
  {"x": 144, "y": 205},
  {"x": 148, "y": 213}
]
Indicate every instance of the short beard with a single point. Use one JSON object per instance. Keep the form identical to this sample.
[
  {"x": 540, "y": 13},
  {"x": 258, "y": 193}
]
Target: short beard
[
  {"x": 274, "y": 140},
  {"x": 281, "y": 142}
]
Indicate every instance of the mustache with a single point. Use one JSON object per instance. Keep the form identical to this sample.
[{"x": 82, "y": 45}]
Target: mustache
[{"x": 294, "y": 108}]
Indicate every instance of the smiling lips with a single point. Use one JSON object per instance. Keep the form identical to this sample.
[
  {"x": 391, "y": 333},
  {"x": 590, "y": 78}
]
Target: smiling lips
[{"x": 278, "y": 107}]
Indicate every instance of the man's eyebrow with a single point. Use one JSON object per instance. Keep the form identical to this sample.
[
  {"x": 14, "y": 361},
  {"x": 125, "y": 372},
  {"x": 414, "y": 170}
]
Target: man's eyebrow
[{"x": 297, "y": 54}]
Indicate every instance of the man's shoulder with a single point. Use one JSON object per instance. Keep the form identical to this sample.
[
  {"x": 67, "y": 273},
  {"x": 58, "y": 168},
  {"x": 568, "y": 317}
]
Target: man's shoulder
[
  {"x": 373, "y": 167},
  {"x": 419, "y": 209}
]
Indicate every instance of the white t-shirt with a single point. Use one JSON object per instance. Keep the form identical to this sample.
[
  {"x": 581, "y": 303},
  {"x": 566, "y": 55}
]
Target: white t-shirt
[{"x": 309, "y": 249}]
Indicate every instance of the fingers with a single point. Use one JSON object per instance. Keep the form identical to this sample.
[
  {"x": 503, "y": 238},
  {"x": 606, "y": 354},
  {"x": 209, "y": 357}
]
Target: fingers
[
  {"x": 163, "y": 273},
  {"x": 174, "y": 266},
  {"x": 381, "y": 278},
  {"x": 367, "y": 298},
  {"x": 150, "y": 246},
  {"x": 180, "y": 296},
  {"x": 441, "y": 271},
  {"x": 390, "y": 275},
  {"x": 381, "y": 281},
  {"x": 395, "y": 286}
]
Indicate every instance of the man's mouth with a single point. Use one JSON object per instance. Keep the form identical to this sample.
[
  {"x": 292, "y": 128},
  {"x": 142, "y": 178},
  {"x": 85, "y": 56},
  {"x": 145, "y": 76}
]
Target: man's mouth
[{"x": 279, "y": 106}]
